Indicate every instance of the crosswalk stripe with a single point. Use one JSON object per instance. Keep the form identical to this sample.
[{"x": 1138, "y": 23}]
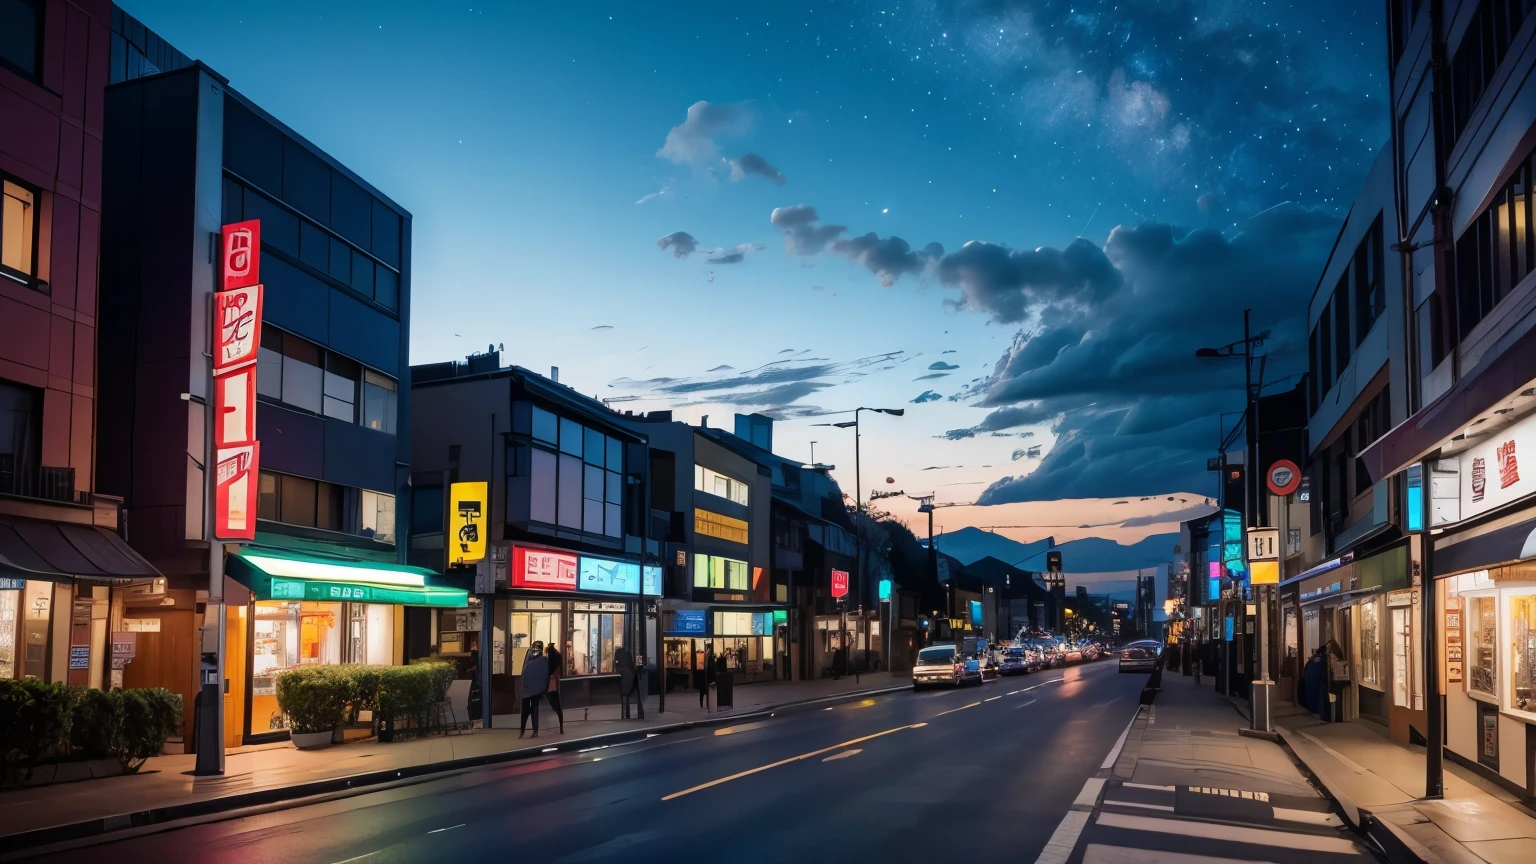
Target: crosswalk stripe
[
  {"x": 1097, "y": 853},
  {"x": 1231, "y": 833},
  {"x": 1311, "y": 817},
  {"x": 1139, "y": 804},
  {"x": 1150, "y": 786}
]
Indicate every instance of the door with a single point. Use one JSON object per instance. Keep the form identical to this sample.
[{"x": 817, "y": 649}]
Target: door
[{"x": 167, "y": 659}]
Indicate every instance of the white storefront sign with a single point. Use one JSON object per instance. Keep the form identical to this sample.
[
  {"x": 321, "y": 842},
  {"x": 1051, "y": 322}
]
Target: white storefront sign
[{"x": 1492, "y": 473}]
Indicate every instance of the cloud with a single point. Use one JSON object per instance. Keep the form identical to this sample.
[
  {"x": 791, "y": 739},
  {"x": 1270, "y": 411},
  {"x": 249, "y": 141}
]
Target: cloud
[
  {"x": 734, "y": 255},
  {"x": 601, "y": 327},
  {"x": 681, "y": 243},
  {"x": 932, "y": 376},
  {"x": 693, "y": 141},
  {"x": 803, "y": 235},
  {"x": 1006, "y": 283},
  {"x": 722, "y": 368},
  {"x": 1110, "y": 364},
  {"x": 776, "y": 388},
  {"x": 753, "y": 165},
  {"x": 663, "y": 192},
  {"x": 926, "y": 396},
  {"x": 941, "y": 366}
]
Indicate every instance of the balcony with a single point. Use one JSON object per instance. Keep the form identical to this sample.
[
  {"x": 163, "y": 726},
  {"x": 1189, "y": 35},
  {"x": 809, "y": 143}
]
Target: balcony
[{"x": 44, "y": 484}]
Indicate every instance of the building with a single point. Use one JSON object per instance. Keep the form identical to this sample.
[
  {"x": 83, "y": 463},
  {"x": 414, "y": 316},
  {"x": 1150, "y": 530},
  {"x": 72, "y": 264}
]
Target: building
[
  {"x": 567, "y": 499},
  {"x": 1463, "y": 101},
  {"x": 64, "y": 569},
  {"x": 325, "y": 580},
  {"x": 722, "y": 593}
]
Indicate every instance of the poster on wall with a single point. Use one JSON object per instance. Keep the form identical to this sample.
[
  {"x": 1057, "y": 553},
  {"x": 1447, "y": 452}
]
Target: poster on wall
[{"x": 1453, "y": 644}]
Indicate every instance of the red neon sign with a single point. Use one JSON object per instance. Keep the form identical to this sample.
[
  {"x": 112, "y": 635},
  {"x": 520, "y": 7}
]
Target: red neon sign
[
  {"x": 236, "y": 338},
  {"x": 242, "y": 255},
  {"x": 839, "y": 584},
  {"x": 538, "y": 568}
]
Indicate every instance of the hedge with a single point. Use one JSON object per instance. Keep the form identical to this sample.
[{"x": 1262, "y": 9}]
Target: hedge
[
  {"x": 41, "y": 722},
  {"x": 320, "y": 698}
]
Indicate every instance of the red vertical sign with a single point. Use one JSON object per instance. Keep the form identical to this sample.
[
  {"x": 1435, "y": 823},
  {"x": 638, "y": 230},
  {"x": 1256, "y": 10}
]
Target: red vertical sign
[
  {"x": 236, "y": 339},
  {"x": 839, "y": 584}
]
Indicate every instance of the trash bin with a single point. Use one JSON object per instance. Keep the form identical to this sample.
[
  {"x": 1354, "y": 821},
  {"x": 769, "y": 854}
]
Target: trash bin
[{"x": 724, "y": 684}]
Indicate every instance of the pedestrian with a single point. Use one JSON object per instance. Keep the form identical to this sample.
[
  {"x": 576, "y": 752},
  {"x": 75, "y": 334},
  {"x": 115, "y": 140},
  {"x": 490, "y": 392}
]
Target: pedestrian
[
  {"x": 1338, "y": 681},
  {"x": 535, "y": 683},
  {"x": 1313, "y": 689},
  {"x": 556, "y": 672},
  {"x": 641, "y": 676},
  {"x": 706, "y": 676},
  {"x": 1194, "y": 661},
  {"x": 624, "y": 664}
]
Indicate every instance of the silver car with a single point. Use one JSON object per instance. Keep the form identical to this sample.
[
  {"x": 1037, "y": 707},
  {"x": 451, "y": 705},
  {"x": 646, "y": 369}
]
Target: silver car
[
  {"x": 1140, "y": 656},
  {"x": 942, "y": 666}
]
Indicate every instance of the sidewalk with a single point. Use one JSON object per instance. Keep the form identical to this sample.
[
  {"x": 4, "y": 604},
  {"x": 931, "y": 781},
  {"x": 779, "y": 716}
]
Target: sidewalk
[
  {"x": 163, "y": 790},
  {"x": 1361, "y": 768}
]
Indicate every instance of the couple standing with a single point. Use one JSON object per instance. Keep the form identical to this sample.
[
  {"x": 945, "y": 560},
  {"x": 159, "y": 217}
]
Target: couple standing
[{"x": 541, "y": 677}]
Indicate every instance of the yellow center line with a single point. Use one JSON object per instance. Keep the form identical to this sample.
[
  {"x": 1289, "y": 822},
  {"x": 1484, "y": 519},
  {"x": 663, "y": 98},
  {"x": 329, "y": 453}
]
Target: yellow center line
[
  {"x": 953, "y": 710},
  {"x": 701, "y": 787}
]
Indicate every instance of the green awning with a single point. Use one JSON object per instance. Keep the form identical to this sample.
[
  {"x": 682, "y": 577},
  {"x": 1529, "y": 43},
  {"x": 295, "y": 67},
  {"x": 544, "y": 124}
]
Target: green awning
[{"x": 274, "y": 574}]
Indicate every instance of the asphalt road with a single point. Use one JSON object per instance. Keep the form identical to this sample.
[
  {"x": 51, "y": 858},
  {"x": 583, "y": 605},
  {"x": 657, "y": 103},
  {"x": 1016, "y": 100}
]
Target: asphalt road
[{"x": 938, "y": 776}]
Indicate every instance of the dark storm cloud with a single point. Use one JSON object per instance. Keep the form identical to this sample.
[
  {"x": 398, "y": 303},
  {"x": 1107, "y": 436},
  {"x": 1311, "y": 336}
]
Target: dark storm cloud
[
  {"x": 776, "y": 388},
  {"x": 681, "y": 243},
  {"x": 693, "y": 140},
  {"x": 803, "y": 232},
  {"x": 1006, "y": 283},
  {"x": 753, "y": 165},
  {"x": 931, "y": 376},
  {"x": 1134, "y": 412},
  {"x": 889, "y": 258},
  {"x": 926, "y": 396}
]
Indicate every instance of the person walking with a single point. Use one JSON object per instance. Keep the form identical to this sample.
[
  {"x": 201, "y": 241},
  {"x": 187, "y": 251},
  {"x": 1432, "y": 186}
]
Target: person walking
[
  {"x": 556, "y": 672},
  {"x": 706, "y": 676},
  {"x": 641, "y": 675},
  {"x": 624, "y": 664},
  {"x": 535, "y": 683}
]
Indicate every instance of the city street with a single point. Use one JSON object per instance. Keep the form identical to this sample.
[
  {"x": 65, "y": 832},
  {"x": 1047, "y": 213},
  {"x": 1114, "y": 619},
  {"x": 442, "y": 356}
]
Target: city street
[{"x": 984, "y": 772}]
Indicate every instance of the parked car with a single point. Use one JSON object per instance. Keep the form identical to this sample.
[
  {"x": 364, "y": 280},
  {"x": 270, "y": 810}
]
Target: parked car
[
  {"x": 1072, "y": 652},
  {"x": 1016, "y": 662},
  {"x": 942, "y": 665},
  {"x": 1140, "y": 656}
]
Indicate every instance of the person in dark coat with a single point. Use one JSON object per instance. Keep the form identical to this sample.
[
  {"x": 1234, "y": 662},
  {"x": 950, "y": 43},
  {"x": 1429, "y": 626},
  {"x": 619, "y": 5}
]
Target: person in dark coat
[
  {"x": 535, "y": 683},
  {"x": 706, "y": 676},
  {"x": 624, "y": 664},
  {"x": 556, "y": 672},
  {"x": 1313, "y": 685}
]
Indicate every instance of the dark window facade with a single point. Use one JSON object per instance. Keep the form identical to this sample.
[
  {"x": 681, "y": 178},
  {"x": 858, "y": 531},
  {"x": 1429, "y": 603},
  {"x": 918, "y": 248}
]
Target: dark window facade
[
  {"x": 298, "y": 373},
  {"x": 1401, "y": 17},
  {"x": 1343, "y": 337},
  {"x": 1370, "y": 287},
  {"x": 1496, "y": 251},
  {"x": 300, "y": 501},
  {"x": 21, "y": 37},
  {"x": 1361, "y": 288},
  {"x": 1482, "y": 48},
  {"x": 574, "y": 474}
]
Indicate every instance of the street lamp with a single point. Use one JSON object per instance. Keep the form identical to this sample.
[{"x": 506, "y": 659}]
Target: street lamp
[
  {"x": 858, "y": 501},
  {"x": 1263, "y": 687}
]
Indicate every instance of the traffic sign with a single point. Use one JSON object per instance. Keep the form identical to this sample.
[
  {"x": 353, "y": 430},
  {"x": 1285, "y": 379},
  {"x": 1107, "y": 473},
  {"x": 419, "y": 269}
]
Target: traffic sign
[
  {"x": 1283, "y": 477},
  {"x": 839, "y": 584}
]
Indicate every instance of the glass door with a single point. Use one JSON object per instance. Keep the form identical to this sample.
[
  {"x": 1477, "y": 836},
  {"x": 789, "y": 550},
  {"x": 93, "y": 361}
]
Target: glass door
[{"x": 1402, "y": 656}]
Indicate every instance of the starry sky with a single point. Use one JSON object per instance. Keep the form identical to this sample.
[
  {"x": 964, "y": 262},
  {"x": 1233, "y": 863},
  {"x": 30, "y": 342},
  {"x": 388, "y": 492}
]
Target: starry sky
[{"x": 1012, "y": 218}]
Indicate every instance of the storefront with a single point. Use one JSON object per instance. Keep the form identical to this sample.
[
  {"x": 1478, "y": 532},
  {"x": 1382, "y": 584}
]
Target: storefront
[
  {"x": 291, "y": 610},
  {"x": 584, "y": 605},
  {"x": 754, "y": 641}
]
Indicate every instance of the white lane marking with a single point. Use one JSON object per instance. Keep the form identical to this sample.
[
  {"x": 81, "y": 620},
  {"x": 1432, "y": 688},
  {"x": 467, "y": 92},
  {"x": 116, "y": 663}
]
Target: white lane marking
[
  {"x": 1090, "y": 794},
  {"x": 1310, "y": 817},
  {"x": 449, "y": 828},
  {"x": 1064, "y": 839},
  {"x": 1149, "y": 786},
  {"x": 843, "y": 755},
  {"x": 993, "y": 698},
  {"x": 1025, "y": 704},
  {"x": 1096, "y": 853},
  {"x": 1139, "y": 804},
  {"x": 360, "y": 857},
  {"x": 1114, "y": 752},
  {"x": 1231, "y": 833}
]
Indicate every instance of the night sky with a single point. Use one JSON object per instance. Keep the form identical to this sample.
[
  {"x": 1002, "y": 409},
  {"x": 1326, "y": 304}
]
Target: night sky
[{"x": 1014, "y": 219}]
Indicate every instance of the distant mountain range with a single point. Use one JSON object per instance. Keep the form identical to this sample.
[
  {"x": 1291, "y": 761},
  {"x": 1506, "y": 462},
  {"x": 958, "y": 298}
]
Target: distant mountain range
[{"x": 1089, "y": 555}]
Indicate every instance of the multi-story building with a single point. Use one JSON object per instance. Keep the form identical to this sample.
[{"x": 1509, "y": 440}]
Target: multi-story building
[
  {"x": 325, "y": 579},
  {"x": 567, "y": 492},
  {"x": 60, "y": 555},
  {"x": 1463, "y": 101}
]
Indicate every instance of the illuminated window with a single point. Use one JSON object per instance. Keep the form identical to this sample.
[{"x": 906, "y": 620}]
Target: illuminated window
[
  {"x": 714, "y": 571},
  {"x": 1522, "y": 653},
  {"x": 714, "y": 483},
  {"x": 18, "y": 228},
  {"x": 1482, "y": 643}
]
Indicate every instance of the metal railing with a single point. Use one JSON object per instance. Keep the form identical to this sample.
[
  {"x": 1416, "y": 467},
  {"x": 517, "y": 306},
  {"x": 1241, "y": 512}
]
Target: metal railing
[{"x": 45, "y": 483}]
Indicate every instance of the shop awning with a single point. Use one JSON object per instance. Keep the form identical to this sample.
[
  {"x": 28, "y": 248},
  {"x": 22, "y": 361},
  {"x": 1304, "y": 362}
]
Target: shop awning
[
  {"x": 274, "y": 574},
  {"x": 42, "y": 549}
]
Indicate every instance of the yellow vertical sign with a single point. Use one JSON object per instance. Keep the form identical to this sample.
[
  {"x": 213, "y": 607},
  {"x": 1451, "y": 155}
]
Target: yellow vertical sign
[{"x": 467, "y": 513}]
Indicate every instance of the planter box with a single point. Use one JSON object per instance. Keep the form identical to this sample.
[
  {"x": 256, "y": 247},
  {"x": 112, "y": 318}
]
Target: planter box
[{"x": 312, "y": 740}]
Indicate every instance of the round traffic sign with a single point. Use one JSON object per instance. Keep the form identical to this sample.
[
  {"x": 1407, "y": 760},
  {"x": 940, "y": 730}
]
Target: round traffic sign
[{"x": 1284, "y": 477}]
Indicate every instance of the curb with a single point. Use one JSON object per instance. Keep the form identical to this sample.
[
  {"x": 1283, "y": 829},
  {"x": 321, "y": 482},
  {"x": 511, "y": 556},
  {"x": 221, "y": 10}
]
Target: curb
[{"x": 374, "y": 781}]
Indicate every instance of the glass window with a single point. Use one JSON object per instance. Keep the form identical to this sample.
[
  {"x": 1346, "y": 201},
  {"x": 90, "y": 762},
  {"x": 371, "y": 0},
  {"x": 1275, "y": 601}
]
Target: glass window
[
  {"x": 595, "y": 638},
  {"x": 269, "y": 365},
  {"x": 341, "y": 376},
  {"x": 253, "y": 150},
  {"x": 426, "y": 510},
  {"x": 233, "y": 201},
  {"x": 306, "y": 182},
  {"x": 1522, "y": 652},
  {"x": 378, "y": 516},
  {"x": 362, "y": 274},
  {"x": 328, "y": 507},
  {"x": 592, "y": 485},
  {"x": 302, "y": 379},
  {"x": 613, "y": 525},
  {"x": 569, "y": 515},
  {"x": 1370, "y": 644},
  {"x": 279, "y": 227},
  {"x": 570, "y": 437},
  {"x": 266, "y": 497},
  {"x": 296, "y": 504},
  {"x": 20, "y": 29},
  {"x": 714, "y": 483},
  {"x": 386, "y": 288},
  {"x": 379, "y": 402},
  {"x": 386, "y": 234},
  {"x": 542, "y": 471},
  {"x": 614, "y": 493},
  {"x": 314, "y": 246},
  {"x": 615, "y": 454},
  {"x": 18, "y": 224},
  {"x": 341, "y": 261},
  {"x": 546, "y": 427},
  {"x": 350, "y": 210},
  {"x": 595, "y": 449},
  {"x": 592, "y": 516},
  {"x": 1482, "y": 645}
]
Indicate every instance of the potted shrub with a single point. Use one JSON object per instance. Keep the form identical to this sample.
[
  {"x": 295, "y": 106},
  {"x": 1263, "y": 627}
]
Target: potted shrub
[{"x": 315, "y": 700}]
